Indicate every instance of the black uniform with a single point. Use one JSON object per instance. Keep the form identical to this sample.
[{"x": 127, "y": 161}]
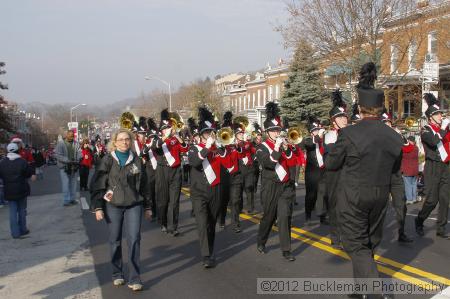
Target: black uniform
[
  {"x": 206, "y": 196},
  {"x": 150, "y": 167},
  {"x": 276, "y": 196},
  {"x": 330, "y": 182},
  {"x": 313, "y": 173},
  {"x": 367, "y": 153},
  {"x": 437, "y": 180}
]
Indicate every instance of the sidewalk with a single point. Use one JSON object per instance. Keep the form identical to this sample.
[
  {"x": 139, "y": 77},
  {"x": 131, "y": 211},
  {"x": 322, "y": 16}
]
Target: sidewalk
[{"x": 54, "y": 261}]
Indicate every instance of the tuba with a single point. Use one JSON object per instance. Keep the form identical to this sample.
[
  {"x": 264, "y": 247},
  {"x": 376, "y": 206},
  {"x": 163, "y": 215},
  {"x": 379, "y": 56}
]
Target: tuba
[
  {"x": 294, "y": 136},
  {"x": 225, "y": 136},
  {"x": 410, "y": 121},
  {"x": 127, "y": 120},
  {"x": 242, "y": 121},
  {"x": 177, "y": 121}
]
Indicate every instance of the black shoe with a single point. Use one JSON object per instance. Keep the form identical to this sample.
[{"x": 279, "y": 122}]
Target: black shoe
[
  {"x": 288, "y": 256},
  {"x": 73, "y": 202},
  {"x": 175, "y": 233},
  {"x": 192, "y": 213},
  {"x": 443, "y": 235},
  {"x": 164, "y": 229},
  {"x": 261, "y": 249},
  {"x": 25, "y": 232},
  {"x": 295, "y": 203},
  {"x": 402, "y": 238},
  {"x": 308, "y": 220},
  {"x": 208, "y": 262},
  {"x": 237, "y": 230},
  {"x": 337, "y": 245},
  {"x": 324, "y": 220},
  {"x": 419, "y": 227}
]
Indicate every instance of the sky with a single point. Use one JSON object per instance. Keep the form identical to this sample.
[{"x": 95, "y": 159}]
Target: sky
[{"x": 99, "y": 51}]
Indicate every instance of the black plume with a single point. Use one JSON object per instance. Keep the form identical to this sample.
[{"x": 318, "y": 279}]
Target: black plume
[
  {"x": 205, "y": 115},
  {"x": 285, "y": 123},
  {"x": 142, "y": 122},
  {"x": 165, "y": 114},
  {"x": 430, "y": 99},
  {"x": 271, "y": 110},
  {"x": 312, "y": 119},
  {"x": 367, "y": 76},
  {"x": 336, "y": 97},
  {"x": 227, "y": 119},
  {"x": 257, "y": 126},
  {"x": 191, "y": 123},
  {"x": 151, "y": 125}
]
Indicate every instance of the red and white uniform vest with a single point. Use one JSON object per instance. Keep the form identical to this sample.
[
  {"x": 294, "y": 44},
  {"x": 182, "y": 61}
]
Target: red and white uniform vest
[
  {"x": 281, "y": 168},
  {"x": 172, "y": 149},
  {"x": 211, "y": 164}
]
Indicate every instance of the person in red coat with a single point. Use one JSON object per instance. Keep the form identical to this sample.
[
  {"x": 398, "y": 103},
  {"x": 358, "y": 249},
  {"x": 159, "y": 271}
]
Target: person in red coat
[
  {"x": 85, "y": 164},
  {"x": 410, "y": 169}
]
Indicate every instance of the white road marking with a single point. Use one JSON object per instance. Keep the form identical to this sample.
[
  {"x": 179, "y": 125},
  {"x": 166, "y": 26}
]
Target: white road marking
[{"x": 84, "y": 204}]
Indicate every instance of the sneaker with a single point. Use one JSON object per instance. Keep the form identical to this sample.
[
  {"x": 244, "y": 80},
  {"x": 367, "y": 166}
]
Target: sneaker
[
  {"x": 118, "y": 282},
  {"x": 136, "y": 287},
  {"x": 410, "y": 202}
]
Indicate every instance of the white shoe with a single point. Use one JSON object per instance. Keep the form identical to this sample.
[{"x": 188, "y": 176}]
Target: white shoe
[
  {"x": 136, "y": 287},
  {"x": 118, "y": 282}
]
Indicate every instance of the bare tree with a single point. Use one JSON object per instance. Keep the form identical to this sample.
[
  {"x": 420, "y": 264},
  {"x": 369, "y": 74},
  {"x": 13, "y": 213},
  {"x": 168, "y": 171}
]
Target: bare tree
[{"x": 348, "y": 33}]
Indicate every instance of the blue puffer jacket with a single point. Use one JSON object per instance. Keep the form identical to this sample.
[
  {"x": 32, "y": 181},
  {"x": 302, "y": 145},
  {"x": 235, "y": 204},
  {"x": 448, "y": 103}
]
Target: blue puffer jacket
[{"x": 15, "y": 172}]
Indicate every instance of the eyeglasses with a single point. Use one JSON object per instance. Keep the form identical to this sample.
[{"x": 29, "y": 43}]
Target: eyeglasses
[{"x": 123, "y": 140}]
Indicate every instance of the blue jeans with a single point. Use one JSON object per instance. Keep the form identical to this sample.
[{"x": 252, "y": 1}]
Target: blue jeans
[
  {"x": 410, "y": 188},
  {"x": 18, "y": 217},
  {"x": 69, "y": 186},
  {"x": 117, "y": 218}
]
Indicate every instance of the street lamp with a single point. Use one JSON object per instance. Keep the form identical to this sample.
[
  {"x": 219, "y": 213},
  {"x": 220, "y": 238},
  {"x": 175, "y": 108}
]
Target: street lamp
[
  {"x": 73, "y": 108},
  {"x": 164, "y": 82}
]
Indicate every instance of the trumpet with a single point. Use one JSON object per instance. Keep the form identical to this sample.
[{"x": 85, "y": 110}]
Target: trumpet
[
  {"x": 225, "y": 136},
  {"x": 177, "y": 121},
  {"x": 294, "y": 136}
]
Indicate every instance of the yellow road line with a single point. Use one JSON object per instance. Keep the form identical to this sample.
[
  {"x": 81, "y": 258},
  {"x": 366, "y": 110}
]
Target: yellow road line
[{"x": 309, "y": 240}]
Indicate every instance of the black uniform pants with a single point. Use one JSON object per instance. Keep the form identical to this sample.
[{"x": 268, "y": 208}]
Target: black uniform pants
[
  {"x": 248, "y": 186},
  {"x": 437, "y": 190},
  {"x": 225, "y": 194},
  {"x": 84, "y": 176},
  {"x": 277, "y": 204},
  {"x": 326, "y": 202},
  {"x": 361, "y": 213},
  {"x": 207, "y": 205},
  {"x": 168, "y": 188},
  {"x": 236, "y": 198},
  {"x": 399, "y": 202},
  {"x": 312, "y": 177}
]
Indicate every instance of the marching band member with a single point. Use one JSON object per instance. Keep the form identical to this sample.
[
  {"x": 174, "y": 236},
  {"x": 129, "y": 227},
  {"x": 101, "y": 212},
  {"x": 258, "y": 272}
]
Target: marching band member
[
  {"x": 225, "y": 171},
  {"x": 151, "y": 165},
  {"x": 436, "y": 142},
  {"x": 338, "y": 117},
  {"x": 275, "y": 190},
  {"x": 205, "y": 159},
  {"x": 397, "y": 188},
  {"x": 246, "y": 155},
  {"x": 313, "y": 147},
  {"x": 193, "y": 130},
  {"x": 292, "y": 161},
  {"x": 257, "y": 141},
  {"x": 168, "y": 148},
  {"x": 367, "y": 154},
  {"x": 139, "y": 129}
]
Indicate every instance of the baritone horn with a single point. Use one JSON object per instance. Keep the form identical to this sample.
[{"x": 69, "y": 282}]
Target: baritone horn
[
  {"x": 294, "y": 135},
  {"x": 242, "y": 121},
  {"x": 225, "y": 136},
  {"x": 127, "y": 120}
]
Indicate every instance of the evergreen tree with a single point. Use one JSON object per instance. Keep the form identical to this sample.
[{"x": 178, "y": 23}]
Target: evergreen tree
[{"x": 304, "y": 94}]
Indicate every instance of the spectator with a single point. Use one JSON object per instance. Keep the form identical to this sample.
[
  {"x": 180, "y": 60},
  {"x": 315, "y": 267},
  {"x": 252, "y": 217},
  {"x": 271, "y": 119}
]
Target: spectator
[
  {"x": 15, "y": 171},
  {"x": 39, "y": 163},
  {"x": 68, "y": 155},
  {"x": 410, "y": 169},
  {"x": 85, "y": 164},
  {"x": 119, "y": 192}
]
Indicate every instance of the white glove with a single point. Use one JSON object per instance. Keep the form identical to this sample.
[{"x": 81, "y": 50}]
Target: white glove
[
  {"x": 168, "y": 132},
  {"x": 209, "y": 142},
  {"x": 321, "y": 132},
  {"x": 445, "y": 123},
  {"x": 278, "y": 143}
]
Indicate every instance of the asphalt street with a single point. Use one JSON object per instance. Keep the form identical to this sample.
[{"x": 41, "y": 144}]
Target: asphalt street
[{"x": 171, "y": 266}]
